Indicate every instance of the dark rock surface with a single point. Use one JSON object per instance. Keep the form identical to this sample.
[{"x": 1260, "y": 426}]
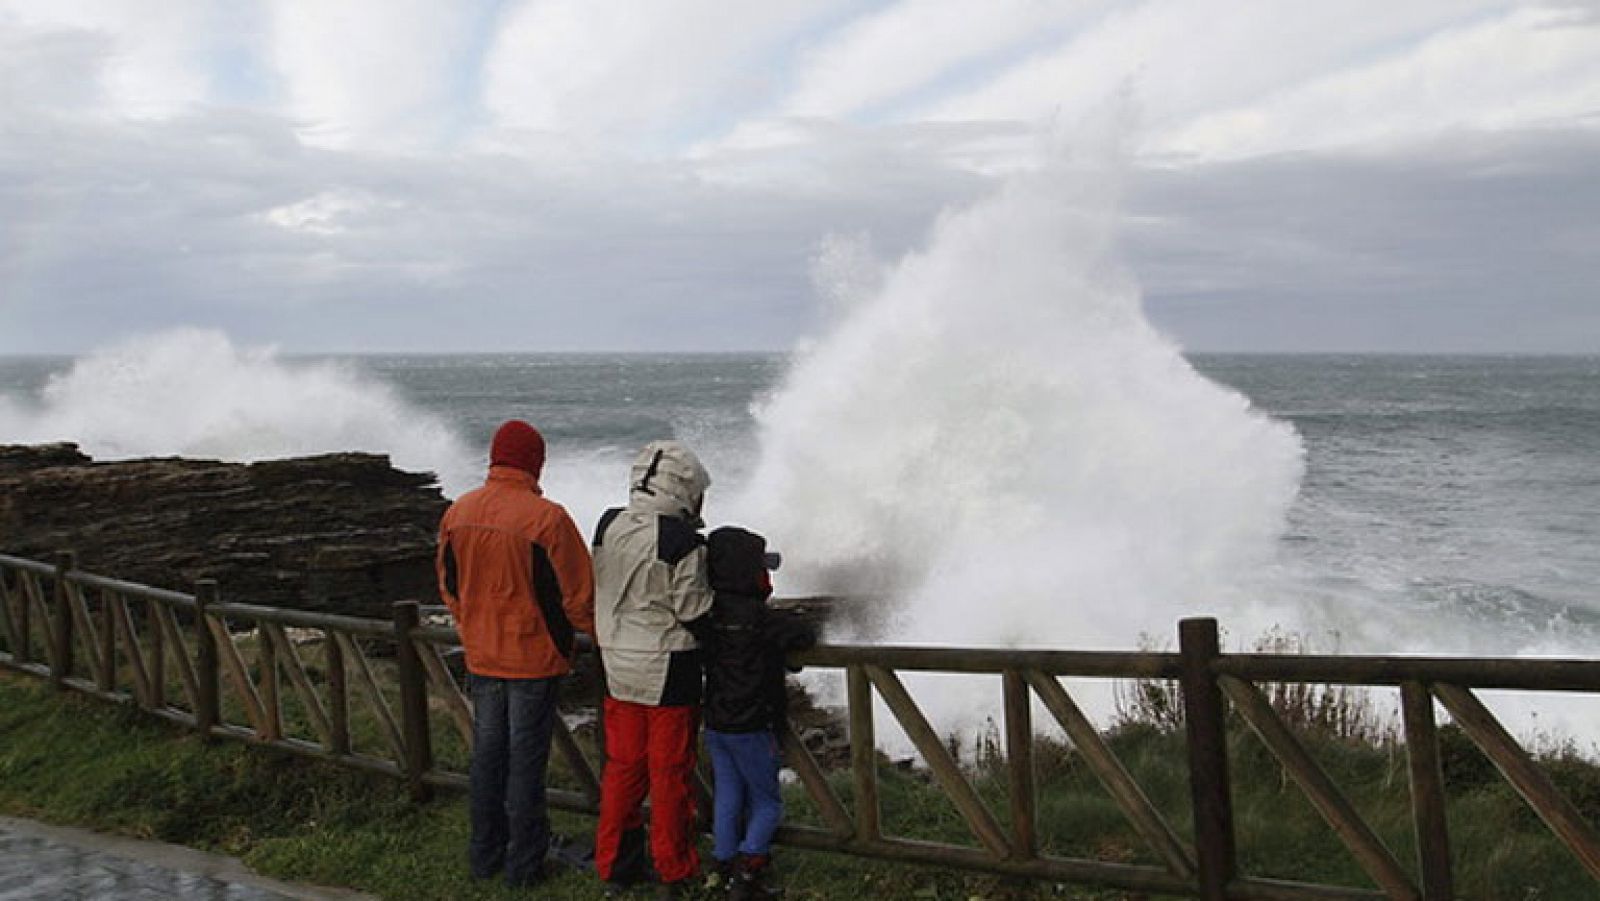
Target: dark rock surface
[{"x": 339, "y": 532}]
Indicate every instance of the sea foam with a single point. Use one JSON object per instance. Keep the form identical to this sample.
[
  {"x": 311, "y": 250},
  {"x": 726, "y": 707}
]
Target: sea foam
[
  {"x": 193, "y": 393},
  {"x": 996, "y": 443}
]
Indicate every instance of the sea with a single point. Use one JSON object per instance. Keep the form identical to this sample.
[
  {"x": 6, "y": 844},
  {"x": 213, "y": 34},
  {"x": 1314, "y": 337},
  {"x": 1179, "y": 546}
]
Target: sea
[
  {"x": 1451, "y": 493},
  {"x": 1440, "y": 504},
  {"x": 985, "y": 442}
]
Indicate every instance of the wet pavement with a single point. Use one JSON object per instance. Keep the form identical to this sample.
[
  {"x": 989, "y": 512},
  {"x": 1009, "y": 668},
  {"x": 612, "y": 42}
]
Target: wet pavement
[{"x": 54, "y": 862}]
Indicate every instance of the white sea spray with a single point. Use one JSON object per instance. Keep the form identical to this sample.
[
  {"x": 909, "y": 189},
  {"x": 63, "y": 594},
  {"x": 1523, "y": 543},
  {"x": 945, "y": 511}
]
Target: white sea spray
[
  {"x": 193, "y": 393},
  {"x": 999, "y": 448}
]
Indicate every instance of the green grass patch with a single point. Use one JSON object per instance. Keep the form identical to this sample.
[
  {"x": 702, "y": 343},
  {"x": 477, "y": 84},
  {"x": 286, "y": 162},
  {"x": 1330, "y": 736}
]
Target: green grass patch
[{"x": 69, "y": 759}]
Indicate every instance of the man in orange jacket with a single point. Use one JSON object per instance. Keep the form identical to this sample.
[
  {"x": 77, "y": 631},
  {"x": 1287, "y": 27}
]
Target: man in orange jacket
[{"x": 516, "y": 573}]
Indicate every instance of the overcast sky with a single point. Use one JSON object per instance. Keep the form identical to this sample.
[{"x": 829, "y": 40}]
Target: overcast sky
[{"x": 533, "y": 175}]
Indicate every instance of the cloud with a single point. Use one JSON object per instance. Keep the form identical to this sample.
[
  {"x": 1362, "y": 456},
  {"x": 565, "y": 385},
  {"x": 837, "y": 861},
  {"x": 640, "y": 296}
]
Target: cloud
[
  {"x": 1530, "y": 68},
  {"x": 394, "y": 73},
  {"x": 1182, "y": 60},
  {"x": 48, "y": 70},
  {"x": 148, "y": 65},
  {"x": 655, "y": 72},
  {"x": 1472, "y": 242},
  {"x": 1266, "y": 77},
  {"x": 909, "y": 47},
  {"x": 554, "y": 174},
  {"x": 226, "y": 220}
]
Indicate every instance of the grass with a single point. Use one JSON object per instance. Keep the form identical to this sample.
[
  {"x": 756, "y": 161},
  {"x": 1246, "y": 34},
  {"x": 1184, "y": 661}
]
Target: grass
[{"x": 69, "y": 759}]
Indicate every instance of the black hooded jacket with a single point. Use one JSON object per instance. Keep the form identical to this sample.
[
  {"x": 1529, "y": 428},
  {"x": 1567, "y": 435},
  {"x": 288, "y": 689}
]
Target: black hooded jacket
[{"x": 743, "y": 641}]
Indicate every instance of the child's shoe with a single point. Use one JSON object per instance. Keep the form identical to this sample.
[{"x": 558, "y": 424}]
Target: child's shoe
[
  {"x": 720, "y": 878},
  {"x": 751, "y": 879}
]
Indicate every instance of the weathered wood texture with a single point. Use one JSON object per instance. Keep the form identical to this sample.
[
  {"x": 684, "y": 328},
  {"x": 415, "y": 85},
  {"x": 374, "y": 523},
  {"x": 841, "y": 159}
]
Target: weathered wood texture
[
  {"x": 1535, "y": 787},
  {"x": 106, "y": 675},
  {"x": 8, "y": 616},
  {"x": 136, "y": 632},
  {"x": 1199, "y": 646},
  {"x": 445, "y": 687},
  {"x": 376, "y": 702},
  {"x": 863, "y": 755},
  {"x": 238, "y": 674},
  {"x": 1427, "y": 792},
  {"x": 338, "y": 694},
  {"x": 1368, "y": 850},
  {"x": 945, "y": 769},
  {"x": 418, "y": 738},
  {"x": 167, "y": 624},
  {"x": 207, "y": 705},
  {"x": 1019, "y": 766},
  {"x": 61, "y": 621},
  {"x": 816, "y": 782},
  {"x": 289, "y": 659},
  {"x": 1118, "y": 782}
]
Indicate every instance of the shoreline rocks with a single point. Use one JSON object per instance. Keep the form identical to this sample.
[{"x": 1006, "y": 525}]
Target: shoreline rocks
[{"x": 345, "y": 533}]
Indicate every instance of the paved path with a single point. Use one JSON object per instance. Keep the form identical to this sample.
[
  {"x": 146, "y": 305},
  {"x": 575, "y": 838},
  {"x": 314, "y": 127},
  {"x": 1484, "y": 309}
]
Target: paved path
[{"x": 40, "y": 861}]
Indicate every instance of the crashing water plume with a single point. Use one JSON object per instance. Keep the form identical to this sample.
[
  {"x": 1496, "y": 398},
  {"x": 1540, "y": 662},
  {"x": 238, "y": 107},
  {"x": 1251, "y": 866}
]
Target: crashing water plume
[
  {"x": 191, "y": 392},
  {"x": 996, "y": 437}
]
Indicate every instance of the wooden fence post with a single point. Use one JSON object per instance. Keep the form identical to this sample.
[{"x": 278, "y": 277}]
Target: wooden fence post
[
  {"x": 207, "y": 689},
  {"x": 1199, "y": 646},
  {"x": 106, "y": 679},
  {"x": 23, "y": 622},
  {"x": 158, "y": 655},
  {"x": 863, "y": 756},
  {"x": 271, "y": 727},
  {"x": 1019, "y": 765},
  {"x": 413, "y": 700},
  {"x": 61, "y": 626},
  {"x": 1427, "y": 792},
  {"x": 338, "y": 695}
]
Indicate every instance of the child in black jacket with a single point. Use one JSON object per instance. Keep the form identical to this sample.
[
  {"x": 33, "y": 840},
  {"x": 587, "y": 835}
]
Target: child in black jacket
[{"x": 746, "y": 704}]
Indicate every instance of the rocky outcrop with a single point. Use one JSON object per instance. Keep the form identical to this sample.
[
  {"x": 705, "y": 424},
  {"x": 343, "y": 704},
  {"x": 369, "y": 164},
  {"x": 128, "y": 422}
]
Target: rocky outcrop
[
  {"x": 25, "y": 457},
  {"x": 341, "y": 532}
]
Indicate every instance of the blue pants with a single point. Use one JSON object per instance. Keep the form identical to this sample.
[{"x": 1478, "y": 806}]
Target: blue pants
[
  {"x": 512, "y": 721},
  {"x": 748, "y": 805}
]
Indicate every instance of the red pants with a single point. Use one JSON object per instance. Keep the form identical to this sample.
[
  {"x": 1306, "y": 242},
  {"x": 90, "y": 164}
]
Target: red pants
[{"x": 649, "y": 750}]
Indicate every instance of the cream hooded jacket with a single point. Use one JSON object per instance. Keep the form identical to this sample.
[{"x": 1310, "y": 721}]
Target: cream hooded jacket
[{"x": 650, "y": 579}]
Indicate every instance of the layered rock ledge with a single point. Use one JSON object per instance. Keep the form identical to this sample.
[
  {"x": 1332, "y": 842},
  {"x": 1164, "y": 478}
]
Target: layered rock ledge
[{"x": 345, "y": 533}]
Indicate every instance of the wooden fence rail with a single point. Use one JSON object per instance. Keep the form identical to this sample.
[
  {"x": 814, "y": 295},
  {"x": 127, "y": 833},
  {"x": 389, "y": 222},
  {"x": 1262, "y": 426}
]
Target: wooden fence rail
[{"x": 237, "y": 671}]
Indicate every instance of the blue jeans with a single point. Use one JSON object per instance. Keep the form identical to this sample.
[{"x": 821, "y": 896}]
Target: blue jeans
[
  {"x": 747, "y": 802},
  {"x": 512, "y": 721}
]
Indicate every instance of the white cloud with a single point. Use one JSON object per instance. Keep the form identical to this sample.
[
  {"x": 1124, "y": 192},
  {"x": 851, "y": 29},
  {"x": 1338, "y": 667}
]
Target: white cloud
[
  {"x": 1207, "y": 75},
  {"x": 1531, "y": 68},
  {"x": 373, "y": 72},
  {"x": 909, "y": 46},
  {"x": 613, "y": 175},
  {"x": 151, "y": 65},
  {"x": 657, "y": 72},
  {"x": 1181, "y": 60},
  {"x": 328, "y": 212},
  {"x": 55, "y": 70}
]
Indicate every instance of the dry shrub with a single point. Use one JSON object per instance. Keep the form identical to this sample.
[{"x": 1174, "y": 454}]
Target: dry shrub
[{"x": 1340, "y": 712}]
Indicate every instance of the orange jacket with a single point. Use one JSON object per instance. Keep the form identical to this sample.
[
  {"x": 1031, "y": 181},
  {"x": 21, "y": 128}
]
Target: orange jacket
[{"x": 516, "y": 573}]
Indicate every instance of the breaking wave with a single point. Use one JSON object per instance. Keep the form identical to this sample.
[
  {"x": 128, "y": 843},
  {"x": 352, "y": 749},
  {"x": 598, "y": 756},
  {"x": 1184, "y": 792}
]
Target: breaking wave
[
  {"x": 995, "y": 438},
  {"x": 193, "y": 393}
]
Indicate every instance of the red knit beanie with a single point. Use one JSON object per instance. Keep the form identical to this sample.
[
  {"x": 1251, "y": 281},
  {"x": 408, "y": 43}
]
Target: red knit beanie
[{"x": 518, "y": 444}]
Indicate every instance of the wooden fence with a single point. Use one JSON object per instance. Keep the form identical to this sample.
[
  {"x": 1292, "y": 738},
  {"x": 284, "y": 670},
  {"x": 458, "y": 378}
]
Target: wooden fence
[{"x": 116, "y": 640}]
